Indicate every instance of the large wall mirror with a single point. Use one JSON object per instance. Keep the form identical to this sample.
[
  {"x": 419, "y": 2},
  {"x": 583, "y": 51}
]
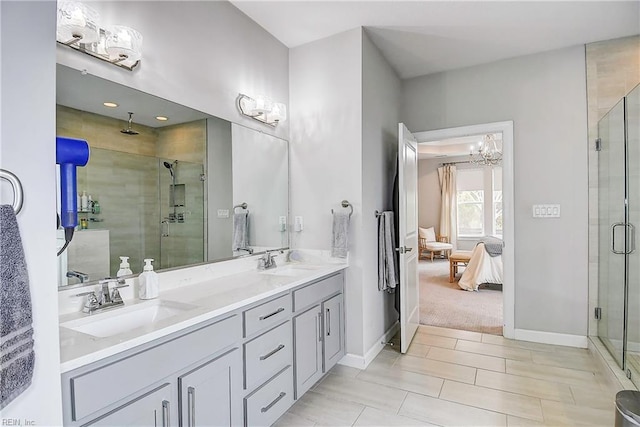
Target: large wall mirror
[{"x": 186, "y": 190}]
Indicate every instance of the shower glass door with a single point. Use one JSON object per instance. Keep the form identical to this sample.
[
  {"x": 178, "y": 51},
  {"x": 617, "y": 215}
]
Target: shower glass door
[
  {"x": 632, "y": 348},
  {"x": 611, "y": 231}
]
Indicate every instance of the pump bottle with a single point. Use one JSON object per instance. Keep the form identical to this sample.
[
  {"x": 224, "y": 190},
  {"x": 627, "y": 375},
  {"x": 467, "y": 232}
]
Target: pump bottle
[{"x": 148, "y": 282}]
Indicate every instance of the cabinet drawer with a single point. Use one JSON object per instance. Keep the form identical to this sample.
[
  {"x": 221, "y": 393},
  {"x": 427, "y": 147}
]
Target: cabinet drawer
[
  {"x": 267, "y": 354},
  {"x": 268, "y": 403},
  {"x": 316, "y": 292},
  {"x": 94, "y": 389},
  {"x": 265, "y": 315}
]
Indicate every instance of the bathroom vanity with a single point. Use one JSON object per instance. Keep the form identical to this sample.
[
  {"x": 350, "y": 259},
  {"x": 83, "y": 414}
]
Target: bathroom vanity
[{"x": 238, "y": 349}]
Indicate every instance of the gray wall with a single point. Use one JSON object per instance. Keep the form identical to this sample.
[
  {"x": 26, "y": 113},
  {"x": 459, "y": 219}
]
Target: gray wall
[
  {"x": 545, "y": 96},
  {"x": 380, "y": 117},
  {"x": 27, "y": 149}
]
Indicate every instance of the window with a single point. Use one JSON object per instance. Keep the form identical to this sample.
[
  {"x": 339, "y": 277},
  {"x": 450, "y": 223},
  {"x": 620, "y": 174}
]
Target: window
[{"x": 479, "y": 198}]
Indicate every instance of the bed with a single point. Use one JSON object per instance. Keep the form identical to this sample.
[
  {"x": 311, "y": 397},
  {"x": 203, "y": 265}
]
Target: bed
[{"x": 482, "y": 268}]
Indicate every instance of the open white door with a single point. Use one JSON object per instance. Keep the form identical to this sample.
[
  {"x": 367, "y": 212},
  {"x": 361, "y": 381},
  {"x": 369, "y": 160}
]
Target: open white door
[{"x": 408, "y": 235}]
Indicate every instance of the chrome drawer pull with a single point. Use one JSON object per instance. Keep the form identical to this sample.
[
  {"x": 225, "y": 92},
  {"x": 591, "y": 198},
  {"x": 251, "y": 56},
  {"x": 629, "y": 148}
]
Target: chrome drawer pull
[
  {"x": 280, "y": 310},
  {"x": 272, "y": 352},
  {"x": 270, "y": 405},
  {"x": 191, "y": 398},
  {"x": 165, "y": 413}
]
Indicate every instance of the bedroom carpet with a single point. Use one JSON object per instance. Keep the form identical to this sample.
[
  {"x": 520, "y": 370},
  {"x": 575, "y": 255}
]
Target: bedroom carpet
[{"x": 444, "y": 304}]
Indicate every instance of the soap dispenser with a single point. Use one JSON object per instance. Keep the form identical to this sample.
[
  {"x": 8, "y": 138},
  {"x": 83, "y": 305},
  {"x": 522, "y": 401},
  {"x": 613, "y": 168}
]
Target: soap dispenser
[
  {"x": 148, "y": 281},
  {"x": 124, "y": 267}
]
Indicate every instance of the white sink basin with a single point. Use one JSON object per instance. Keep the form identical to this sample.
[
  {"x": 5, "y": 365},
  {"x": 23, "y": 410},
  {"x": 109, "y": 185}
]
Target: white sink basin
[
  {"x": 124, "y": 319},
  {"x": 292, "y": 270}
]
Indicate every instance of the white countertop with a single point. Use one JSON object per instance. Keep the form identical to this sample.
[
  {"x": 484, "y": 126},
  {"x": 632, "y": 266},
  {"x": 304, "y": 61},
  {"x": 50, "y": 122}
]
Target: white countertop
[{"x": 210, "y": 298}]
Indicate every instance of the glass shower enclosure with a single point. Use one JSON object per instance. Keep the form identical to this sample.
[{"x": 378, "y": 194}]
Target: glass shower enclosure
[{"x": 618, "y": 216}]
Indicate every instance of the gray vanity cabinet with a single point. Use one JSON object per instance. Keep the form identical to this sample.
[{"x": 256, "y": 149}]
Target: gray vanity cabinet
[
  {"x": 208, "y": 394},
  {"x": 318, "y": 330},
  {"x": 307, "y": 330},
  {"x": 151, "y": 409}
]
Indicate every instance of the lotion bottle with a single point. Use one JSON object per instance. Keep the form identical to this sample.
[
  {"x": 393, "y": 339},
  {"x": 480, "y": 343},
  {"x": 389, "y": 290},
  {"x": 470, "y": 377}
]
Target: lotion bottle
[
  {"x": 148, "y": 282},
  {"x": 125, "y": 269},
  {"x": 84, "y": 201}
]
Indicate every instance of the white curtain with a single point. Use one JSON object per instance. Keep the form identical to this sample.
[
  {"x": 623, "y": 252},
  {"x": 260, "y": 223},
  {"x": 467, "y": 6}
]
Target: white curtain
[{"x": 448, "y": 210}]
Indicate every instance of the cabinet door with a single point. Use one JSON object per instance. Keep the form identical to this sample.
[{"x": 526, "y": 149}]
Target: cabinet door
[
  {"x": 209, "y": 393},
  {"x": 307, "y": 349},
  {"x": 333, "y": 335},
  {"x": 151, "y": 409}
]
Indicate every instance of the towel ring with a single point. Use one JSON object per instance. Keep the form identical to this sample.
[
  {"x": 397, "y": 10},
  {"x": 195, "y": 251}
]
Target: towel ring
[
  {"x": 346, "y": 204},
  {"x": 378, "y": 213},
  {"x": 17, "y": 189},
  {"x": 242, "y": 205}
]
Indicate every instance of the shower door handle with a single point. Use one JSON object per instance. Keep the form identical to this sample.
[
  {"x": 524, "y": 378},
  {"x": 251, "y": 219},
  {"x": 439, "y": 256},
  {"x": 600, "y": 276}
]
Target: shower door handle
[
  {"x": 632, "y": 239},
  {"x": 165, "y": 223},
  {"x": 613, "y": 237}
]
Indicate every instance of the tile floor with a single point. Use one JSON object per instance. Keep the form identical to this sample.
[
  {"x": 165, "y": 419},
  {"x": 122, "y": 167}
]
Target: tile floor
[{"x": 460, "y": 378}]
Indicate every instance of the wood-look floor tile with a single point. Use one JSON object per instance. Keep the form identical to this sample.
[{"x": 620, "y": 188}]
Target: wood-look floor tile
[
  {"x": 506, "y": 342},
  {"x": 437, "y": 369},
  {"x": 394, "y": 376},
  {"x": 493, "y": 400},
  {"x": 513, "y": 353},
  {"x": 524, "y": 385},
  {"x": 292, "y": 420},
  {"x": 371, "y": 417},
  {"x": 435, "y": 340},
  {"x": 551, "y": 373},
  {"x": 582, "y": 362},
  {"x": 345, "y": 371},
  {"x": 418, "y": 350},
  {"x": 467, "y": 359},
  {"x": 451, "y": 333},
  {"x": 444, "y": 413},
  {"x": 325, "y": 410},
  {"x": 556, "y": 413},
  {"x": 524, "y": 422},
  {"x": 363, "y": 392},
  {"x": 594, "y": 397}
]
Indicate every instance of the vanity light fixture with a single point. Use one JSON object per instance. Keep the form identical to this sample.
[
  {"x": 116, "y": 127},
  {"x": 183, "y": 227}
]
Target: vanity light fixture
[
  {"x": 110, "y": 104},
  {"x": 262, "y": 109},
  {"x": 162, "y": 118},
  {"x": 79, "y": 28}
]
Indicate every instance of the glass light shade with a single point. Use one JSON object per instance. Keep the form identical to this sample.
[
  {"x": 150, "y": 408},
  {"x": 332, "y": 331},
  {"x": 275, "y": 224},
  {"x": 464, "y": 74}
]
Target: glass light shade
[
  {"x": 123, "y": 43},
  {"x": 77, "y": 20},
  {"x": 278, "y": 112},
  {"x": 263, "y": 105}
]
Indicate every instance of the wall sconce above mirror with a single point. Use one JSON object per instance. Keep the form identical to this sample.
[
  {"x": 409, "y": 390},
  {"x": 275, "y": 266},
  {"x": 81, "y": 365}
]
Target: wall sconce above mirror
[
  {"x": 262, "y": 109},
  {"x": 79, "y": 28}
]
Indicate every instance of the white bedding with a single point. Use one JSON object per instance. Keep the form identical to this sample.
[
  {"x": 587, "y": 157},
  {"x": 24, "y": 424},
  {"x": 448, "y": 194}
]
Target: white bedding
[{"x": 482, "y": 268}]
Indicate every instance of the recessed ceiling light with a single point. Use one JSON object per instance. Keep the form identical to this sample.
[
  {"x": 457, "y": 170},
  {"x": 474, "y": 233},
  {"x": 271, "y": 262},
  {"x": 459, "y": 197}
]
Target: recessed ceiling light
[
  {"x": 162, "y": 118},
  {"x": 110, "y": 104}
]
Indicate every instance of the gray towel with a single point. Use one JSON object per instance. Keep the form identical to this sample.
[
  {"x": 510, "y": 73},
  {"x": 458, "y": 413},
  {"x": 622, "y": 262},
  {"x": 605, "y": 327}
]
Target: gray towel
[
  {"x": 16, "y": 333},
  {"x": 387, "y": 277},
  {"x": 492, "y": 245},
  {"x": 240, "y": 230},
  {"x": 340, "y": 235}
]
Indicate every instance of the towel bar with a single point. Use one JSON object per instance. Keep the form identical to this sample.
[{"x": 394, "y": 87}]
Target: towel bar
[
  {"x": 346, "y": 204},
  {"x": 17, "y": 189}
]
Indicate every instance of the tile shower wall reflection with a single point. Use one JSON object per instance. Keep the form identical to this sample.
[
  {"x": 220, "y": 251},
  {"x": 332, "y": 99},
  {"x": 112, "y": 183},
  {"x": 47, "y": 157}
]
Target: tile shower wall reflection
[{"x": 127, "y": 176}]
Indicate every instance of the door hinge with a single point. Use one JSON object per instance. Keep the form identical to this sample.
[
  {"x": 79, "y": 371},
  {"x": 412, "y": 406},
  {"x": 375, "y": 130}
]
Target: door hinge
[
  {"x": 598, "y": 144},
  {"x": 629, "y": 373},
  {"x": 598, "y": 313}
]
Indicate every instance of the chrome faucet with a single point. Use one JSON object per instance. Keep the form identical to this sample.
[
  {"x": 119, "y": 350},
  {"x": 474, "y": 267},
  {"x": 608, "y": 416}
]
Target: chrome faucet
[
  {"x": 106, "y": 298},
  {"x": 248, "y": 249},
  {"x": 83, "y": 277},
  {"x": 267, "y": 261}
]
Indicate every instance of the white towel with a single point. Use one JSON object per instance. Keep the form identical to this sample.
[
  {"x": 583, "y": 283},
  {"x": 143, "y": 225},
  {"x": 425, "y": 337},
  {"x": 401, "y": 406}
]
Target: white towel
[
  {"x": 16, "y": 333},
  {"x": 387, "y": 276},
  {"x": 240, "y": 230},
  {"x": 340, "y": 235}
]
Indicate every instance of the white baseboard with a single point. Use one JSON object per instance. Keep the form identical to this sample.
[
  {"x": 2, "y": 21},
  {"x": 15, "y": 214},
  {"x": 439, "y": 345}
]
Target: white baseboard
[
  {"x": 361, "y": 362},
  {"x": 551, "y": 338}
]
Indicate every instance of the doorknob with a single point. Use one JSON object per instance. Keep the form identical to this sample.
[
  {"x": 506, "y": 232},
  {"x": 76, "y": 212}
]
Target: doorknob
[{"x": 403, "y": 249}]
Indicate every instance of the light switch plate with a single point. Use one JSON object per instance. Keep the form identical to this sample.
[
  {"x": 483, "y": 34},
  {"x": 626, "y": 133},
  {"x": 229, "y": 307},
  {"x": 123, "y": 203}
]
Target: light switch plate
[
  {"x": 546, "y": 211},
  {"x": 223, "y": 213},
  {"x": 298, "y": 224}
]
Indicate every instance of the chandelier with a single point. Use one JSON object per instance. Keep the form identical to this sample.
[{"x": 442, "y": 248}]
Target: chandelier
[{"x": 487, "y": 153}]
